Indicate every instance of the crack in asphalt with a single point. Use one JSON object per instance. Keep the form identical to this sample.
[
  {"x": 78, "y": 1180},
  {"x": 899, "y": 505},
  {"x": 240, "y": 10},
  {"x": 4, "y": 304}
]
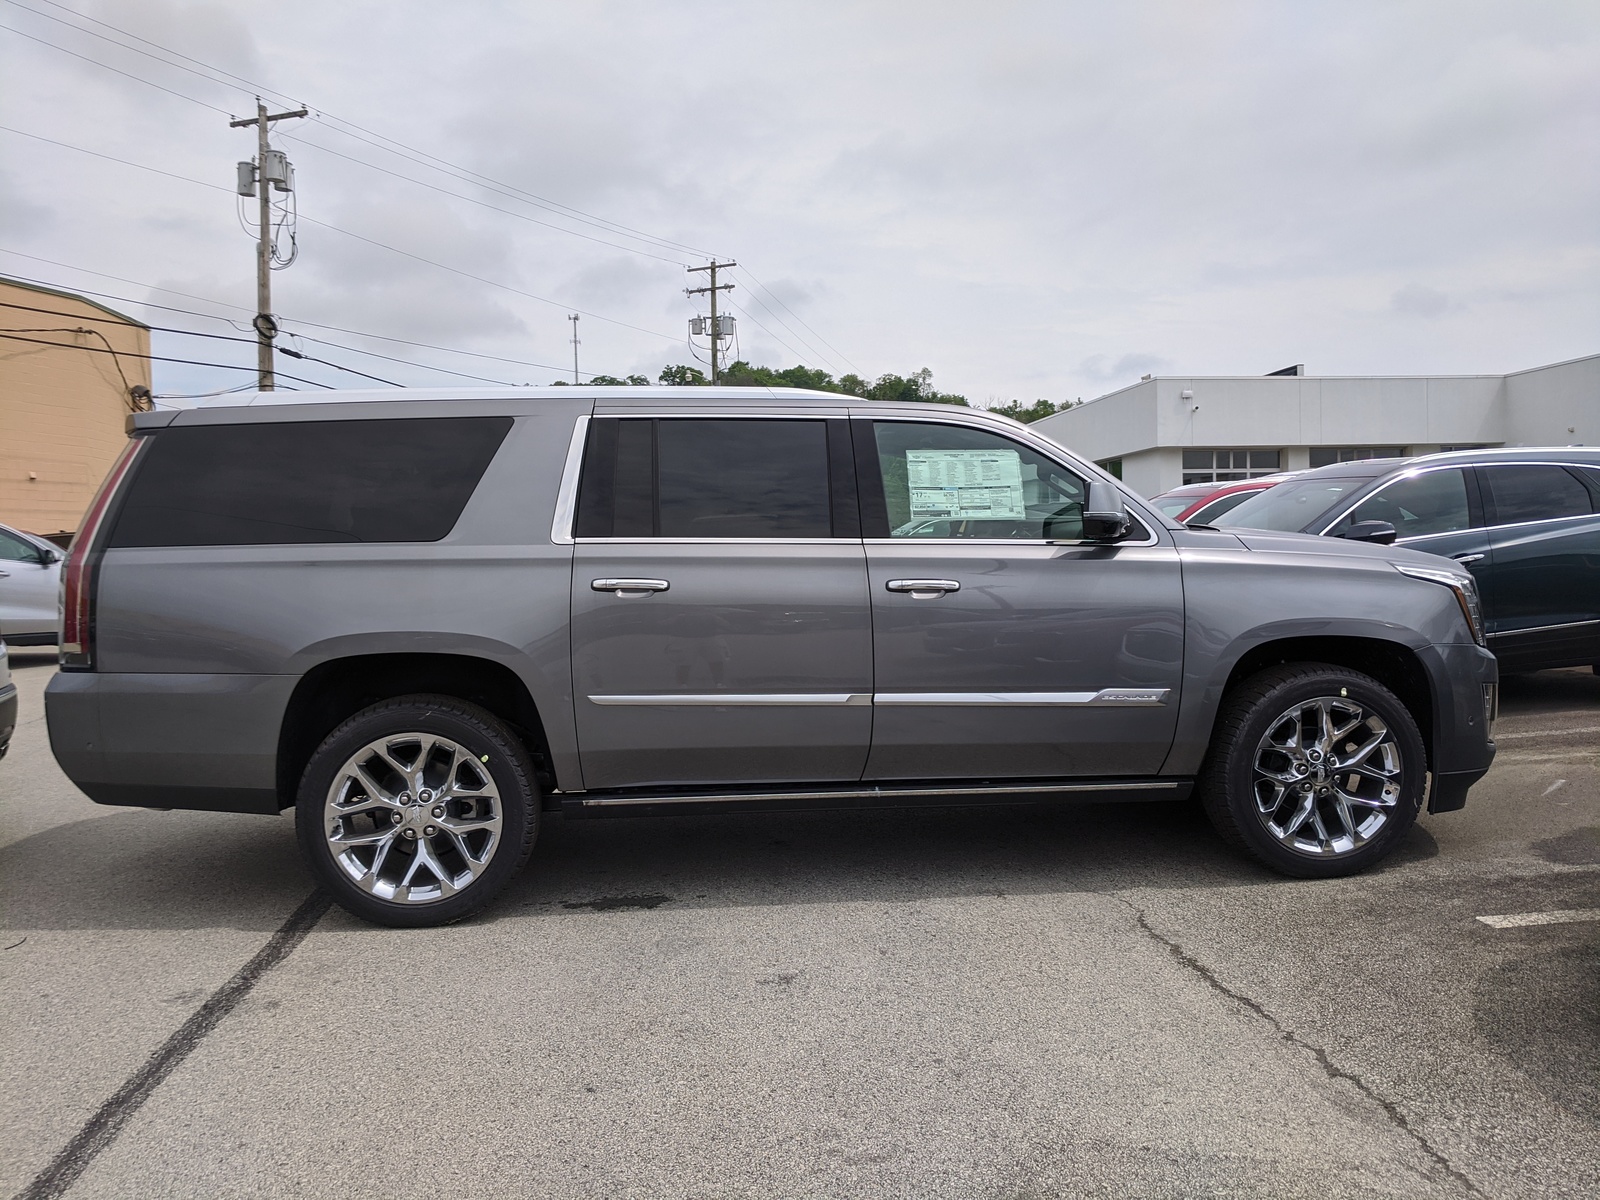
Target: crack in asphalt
[
  {"x": 103, "y": 1128},
  {"x": 1329, "y": 1067}
]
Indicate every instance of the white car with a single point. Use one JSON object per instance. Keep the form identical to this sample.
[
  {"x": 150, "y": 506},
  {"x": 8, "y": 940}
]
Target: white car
[{"x": 30, "y": 581}]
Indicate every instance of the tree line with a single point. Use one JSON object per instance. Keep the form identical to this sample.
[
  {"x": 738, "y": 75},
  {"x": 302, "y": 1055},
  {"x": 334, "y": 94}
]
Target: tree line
[{"x": 917, "y": 386}]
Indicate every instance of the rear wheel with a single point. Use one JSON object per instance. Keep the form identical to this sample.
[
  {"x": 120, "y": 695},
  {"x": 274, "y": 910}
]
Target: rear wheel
[
  {"x": 418, "y": 810},
  {"x": 1315, "y": 770}
]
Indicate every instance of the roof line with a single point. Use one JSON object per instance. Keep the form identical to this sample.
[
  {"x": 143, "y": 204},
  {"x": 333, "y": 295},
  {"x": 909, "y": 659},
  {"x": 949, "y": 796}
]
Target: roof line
[{"x": 50, "y": 291}]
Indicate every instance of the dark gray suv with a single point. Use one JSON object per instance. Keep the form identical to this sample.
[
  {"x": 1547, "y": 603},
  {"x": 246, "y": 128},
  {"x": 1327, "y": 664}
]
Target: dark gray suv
[{"x": 426, "y": 618}]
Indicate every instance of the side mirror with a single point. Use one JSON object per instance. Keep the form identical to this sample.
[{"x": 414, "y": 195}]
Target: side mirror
[
  {"x": 1105, "y": 519},
  {"x": 1378, "y": 533},
  {"x": 51, "y": 557}
]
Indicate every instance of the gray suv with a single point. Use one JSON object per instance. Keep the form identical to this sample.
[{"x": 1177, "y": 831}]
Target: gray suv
[{"x": 425, "y": 619}]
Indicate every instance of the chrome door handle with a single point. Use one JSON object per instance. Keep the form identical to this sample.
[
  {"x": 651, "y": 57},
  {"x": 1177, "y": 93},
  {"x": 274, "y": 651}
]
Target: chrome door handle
[
  {"x": 923, "y": 589},
  {"x": 627, "y": 587},
  {"x": 1466, "y": 560},
  {"x": 5, "y": 574}
]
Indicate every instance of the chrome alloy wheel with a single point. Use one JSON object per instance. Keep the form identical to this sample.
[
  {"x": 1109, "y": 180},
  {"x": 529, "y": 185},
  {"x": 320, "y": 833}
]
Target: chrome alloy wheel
[
  {"x": 412, "y": 818},
  {"x": 1327, "y": 776}
]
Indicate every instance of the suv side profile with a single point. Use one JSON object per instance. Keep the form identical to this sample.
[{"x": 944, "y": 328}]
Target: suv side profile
[{"x": 426, "y": 619}]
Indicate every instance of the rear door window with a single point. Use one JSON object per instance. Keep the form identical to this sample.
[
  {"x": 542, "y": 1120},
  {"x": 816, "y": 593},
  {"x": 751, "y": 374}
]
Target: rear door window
[
  {"x": 714, "y": 478},
  {"x": 293, "y": 482},
  {"x": 1521, "y": 492}
]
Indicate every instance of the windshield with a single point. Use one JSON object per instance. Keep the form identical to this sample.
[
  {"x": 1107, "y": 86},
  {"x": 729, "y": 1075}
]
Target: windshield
[
  {"x": 1171, "y": 506},
  {"x": 1290, "y": 506}
]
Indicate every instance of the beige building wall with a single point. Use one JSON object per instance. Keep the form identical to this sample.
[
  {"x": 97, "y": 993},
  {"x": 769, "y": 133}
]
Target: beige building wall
[{"x": 62, "y": 403}]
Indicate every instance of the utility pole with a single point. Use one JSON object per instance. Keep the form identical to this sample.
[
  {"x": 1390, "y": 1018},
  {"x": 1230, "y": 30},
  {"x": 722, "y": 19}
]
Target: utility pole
[
  {"x": 265, "y": 176},
  {"x": 573, "y": 317},
  {"x": 716, "y": 329}
]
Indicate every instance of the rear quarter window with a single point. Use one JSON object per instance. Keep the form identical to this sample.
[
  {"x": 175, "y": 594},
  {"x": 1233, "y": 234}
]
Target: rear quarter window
[{"x": 403, "y": 480}]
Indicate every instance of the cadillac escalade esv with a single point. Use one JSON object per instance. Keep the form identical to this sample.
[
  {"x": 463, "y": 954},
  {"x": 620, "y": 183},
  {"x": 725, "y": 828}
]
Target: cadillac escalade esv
[{"x": 426, "y": 618}]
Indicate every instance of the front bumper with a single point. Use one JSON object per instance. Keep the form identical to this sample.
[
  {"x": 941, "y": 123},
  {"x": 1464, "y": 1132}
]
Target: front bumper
[{"x": 1463, "y": 710}]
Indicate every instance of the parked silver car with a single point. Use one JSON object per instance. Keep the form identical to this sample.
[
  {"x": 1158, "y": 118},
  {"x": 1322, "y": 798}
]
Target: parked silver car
[
  {"x": 424, "y": 618},
  {"x": 30, "y": 585}
]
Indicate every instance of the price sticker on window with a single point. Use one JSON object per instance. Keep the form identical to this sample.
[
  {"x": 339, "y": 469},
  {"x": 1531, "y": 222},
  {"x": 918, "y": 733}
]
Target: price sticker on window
[{"x": 966, "y": 485}]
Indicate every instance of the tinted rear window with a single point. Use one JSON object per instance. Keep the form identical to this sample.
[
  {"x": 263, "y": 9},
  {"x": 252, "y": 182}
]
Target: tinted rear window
[
  {"x": 307, "y": 481},
  {"x": 1535, "y": 492},
  {"x": 708, "y": 478}
]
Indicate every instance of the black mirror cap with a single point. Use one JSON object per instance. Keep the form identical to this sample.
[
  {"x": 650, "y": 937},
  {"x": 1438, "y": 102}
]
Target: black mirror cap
[
  {"x": 1105, "y": 519},
  {"x": 1378, "y": 533}
]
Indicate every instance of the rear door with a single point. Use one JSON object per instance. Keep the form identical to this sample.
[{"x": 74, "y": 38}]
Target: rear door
[
  {"x": 1004, "y": 647},
  {"x": 720, "y": 627},
  {"x": 1544, "y": 606}
]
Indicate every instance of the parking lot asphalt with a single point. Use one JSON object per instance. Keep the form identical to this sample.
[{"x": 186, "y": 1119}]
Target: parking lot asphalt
[{"x": 1017, "y": 1002}]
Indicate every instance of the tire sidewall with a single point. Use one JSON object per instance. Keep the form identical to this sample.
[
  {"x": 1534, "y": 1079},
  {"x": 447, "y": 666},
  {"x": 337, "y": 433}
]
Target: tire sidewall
[
  {"x": 1264, "y": 712},
  {"x": 508, "y": 766}
]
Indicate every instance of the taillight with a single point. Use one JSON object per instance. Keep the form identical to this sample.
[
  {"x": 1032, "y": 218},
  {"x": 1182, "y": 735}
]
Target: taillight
[{"x": 77, "y": 574}]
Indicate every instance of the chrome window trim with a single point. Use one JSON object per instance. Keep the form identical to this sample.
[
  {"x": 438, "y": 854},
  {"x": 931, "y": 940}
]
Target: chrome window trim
[
  {"x": 1545, "y": 628},
  {"x": 1413, "y": 472},
  {"x": 567, "y": 493}
]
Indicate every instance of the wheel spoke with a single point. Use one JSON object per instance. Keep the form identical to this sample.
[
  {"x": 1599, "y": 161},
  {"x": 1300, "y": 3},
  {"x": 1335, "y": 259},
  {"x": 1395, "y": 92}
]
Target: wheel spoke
[
  {"x": 1348, "y": 761},
  {"x": 414, "y": 758}
]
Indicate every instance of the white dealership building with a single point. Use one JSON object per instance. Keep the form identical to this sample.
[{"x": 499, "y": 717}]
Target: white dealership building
[{"x": 1166, "y": 431}]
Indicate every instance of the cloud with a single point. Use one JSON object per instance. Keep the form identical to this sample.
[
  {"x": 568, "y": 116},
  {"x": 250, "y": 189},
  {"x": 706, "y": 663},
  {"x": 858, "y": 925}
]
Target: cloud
[
  {"x": 1416, "y": 300},
  {"x": 1102, "y": 370}
]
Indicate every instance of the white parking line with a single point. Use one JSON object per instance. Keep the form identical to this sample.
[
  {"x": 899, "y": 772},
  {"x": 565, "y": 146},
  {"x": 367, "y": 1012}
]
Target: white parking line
[
  {"x": 1556, "y": 786},
  {"x": 1531, "y": 733},
  {"x": 1560, "y": 916}
]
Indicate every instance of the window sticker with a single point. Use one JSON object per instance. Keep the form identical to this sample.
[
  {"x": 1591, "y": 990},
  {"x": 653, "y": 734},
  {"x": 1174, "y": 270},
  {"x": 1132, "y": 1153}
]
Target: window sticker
[{"x": 965, "y": 485}]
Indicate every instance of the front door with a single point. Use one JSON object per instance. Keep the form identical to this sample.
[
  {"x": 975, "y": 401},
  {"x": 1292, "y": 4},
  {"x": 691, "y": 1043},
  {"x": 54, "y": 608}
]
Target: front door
[
  {"x": 720, "y": 626},
  {"x": 1003, "y": 646}
]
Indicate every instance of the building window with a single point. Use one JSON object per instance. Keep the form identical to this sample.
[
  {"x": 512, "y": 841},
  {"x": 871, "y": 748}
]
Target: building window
[
  {"x": 1326, "y": 456},
  {"x": 1111, "y": 466},
  {"x": 1225, "y": 466}
]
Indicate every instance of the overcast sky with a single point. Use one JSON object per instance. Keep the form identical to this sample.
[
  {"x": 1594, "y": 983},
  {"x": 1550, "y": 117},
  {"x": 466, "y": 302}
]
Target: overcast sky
[{"x": 1031, "y": 199}]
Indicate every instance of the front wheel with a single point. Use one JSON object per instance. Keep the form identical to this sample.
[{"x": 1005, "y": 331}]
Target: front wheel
[
  {"x": 1315, "y": 770},
  {"x": 417, "y": 811}
]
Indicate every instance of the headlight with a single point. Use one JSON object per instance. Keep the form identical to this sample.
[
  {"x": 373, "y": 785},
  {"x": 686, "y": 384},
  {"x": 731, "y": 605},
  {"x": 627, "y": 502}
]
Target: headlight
[{"x": 1465, "y": 588}]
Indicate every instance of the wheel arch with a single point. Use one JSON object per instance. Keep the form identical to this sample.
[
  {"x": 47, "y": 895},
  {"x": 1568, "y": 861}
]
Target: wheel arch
[
  {"x": 335, "y": 689},
  {"x": 1393, "y": 664}
]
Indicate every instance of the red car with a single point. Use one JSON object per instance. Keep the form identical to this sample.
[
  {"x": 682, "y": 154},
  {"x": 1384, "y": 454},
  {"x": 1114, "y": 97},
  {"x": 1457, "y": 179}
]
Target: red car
[{"x": 1199, "y": 503}]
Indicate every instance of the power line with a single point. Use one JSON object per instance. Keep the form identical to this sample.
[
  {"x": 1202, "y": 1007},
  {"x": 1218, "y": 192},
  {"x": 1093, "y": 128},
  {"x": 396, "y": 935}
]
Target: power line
[
  {"x": 359, "y": 237},
  {"x": 292, "y": 320},
  {"x": 115, "y": 70},
  {"x": 421, "y": 158},
  {"x": 334, "y": 122},
  {"x": 474, "y": 200},
  {"x": 779, "y": 301},
  {"x": 188, "y": 362}
]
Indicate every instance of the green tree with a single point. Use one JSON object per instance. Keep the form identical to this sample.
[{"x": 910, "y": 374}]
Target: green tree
[
  {"x": 613, "y": 381},
  {"x": 681, "y": 376},
  {"x": 1028, "y": 413}
]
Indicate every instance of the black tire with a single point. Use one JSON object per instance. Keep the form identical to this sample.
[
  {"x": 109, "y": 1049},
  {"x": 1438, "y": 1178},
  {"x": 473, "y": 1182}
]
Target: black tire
[
  {"x": 1229, "y": 779},
  {"x": 498, "y": 766}
]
